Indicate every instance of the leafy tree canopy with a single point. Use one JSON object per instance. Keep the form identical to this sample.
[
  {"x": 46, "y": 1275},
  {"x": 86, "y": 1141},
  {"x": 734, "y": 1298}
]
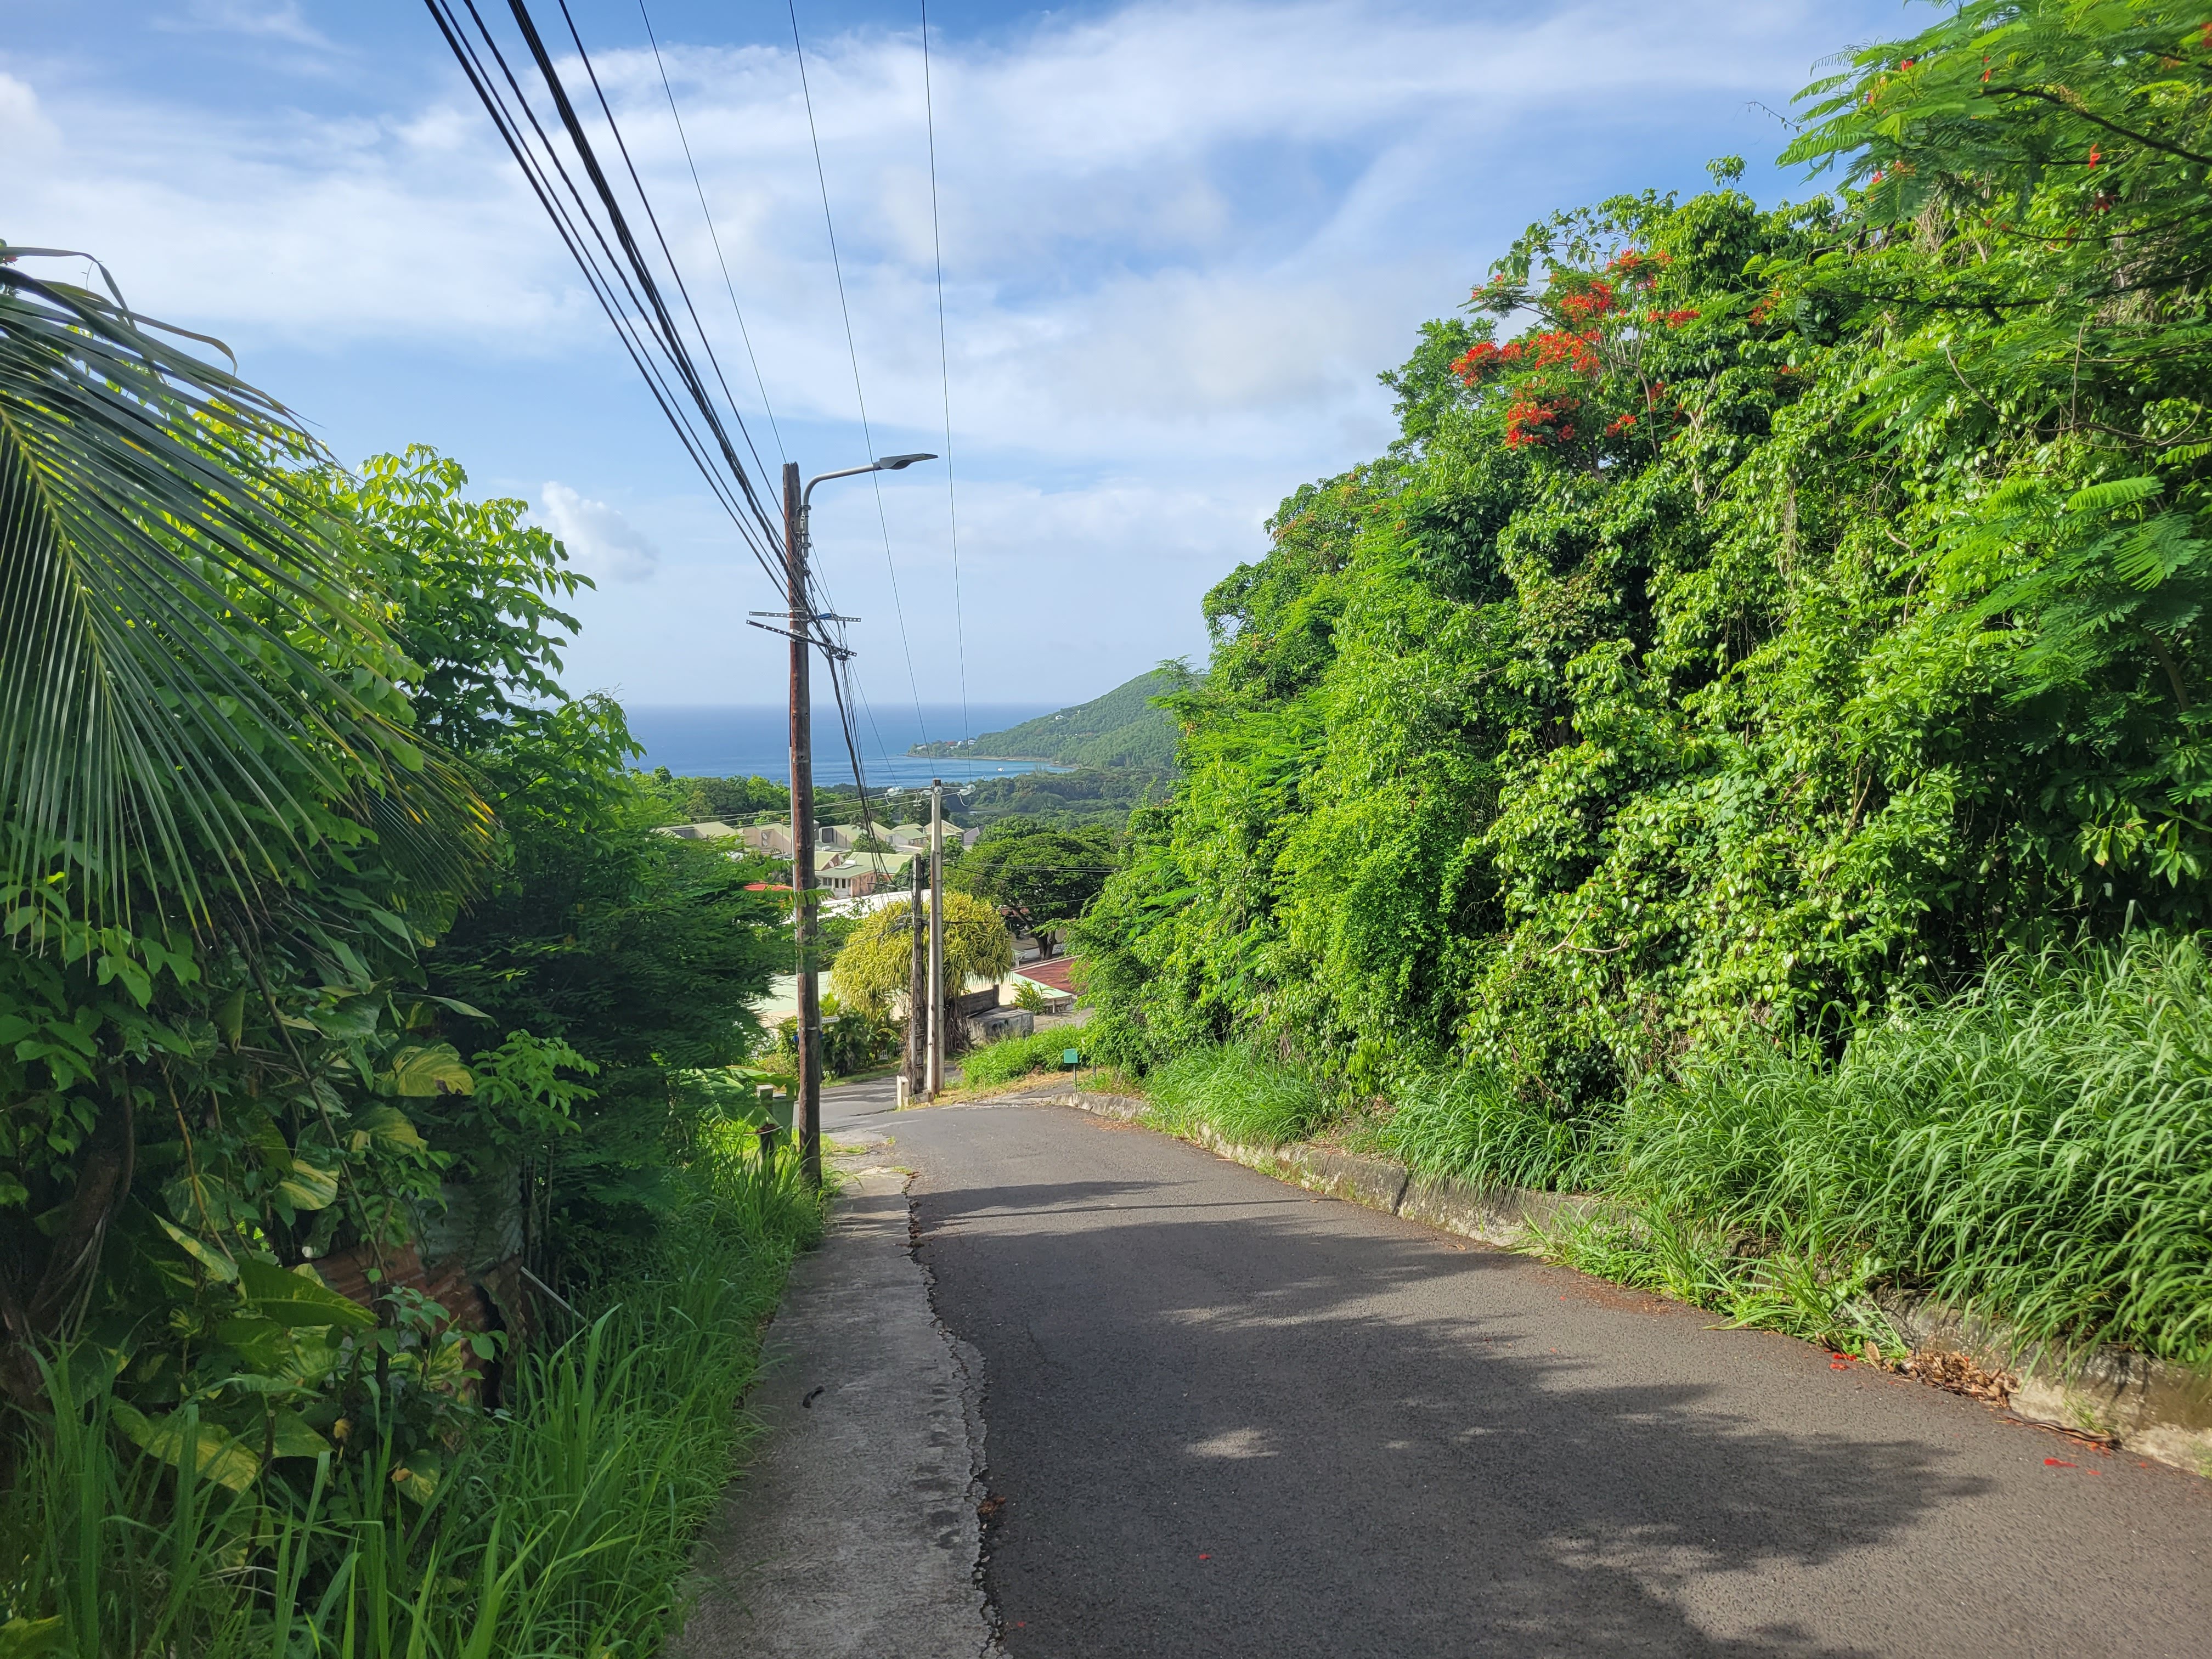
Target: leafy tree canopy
[
  {"x": 875, "y": 965},
  {"x": 1800, "y": 607}
]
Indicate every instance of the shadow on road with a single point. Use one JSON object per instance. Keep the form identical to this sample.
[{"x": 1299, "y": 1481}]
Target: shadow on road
[{"x": 1221, "y": 1428}]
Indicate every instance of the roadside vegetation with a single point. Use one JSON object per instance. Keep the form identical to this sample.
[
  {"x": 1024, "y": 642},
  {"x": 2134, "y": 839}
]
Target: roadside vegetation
[
  {"x": 1001, "y": 1062},
  {"x": 1740, "y": 749},
  {"x": 381, "y": 1253}
]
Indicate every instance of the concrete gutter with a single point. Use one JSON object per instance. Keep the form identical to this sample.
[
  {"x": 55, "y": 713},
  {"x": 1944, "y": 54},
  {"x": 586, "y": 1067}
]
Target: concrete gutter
[
  {"x": 855, "y": 1533},
  {"x": 2153, "y": 1407}
]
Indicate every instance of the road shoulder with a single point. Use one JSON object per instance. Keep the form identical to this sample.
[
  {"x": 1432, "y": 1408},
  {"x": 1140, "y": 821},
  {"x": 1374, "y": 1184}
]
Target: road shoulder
[{"x": 854, "y": 1530}]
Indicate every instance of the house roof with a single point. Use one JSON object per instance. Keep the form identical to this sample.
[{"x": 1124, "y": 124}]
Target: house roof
[{"x": 1052, "y": 972}]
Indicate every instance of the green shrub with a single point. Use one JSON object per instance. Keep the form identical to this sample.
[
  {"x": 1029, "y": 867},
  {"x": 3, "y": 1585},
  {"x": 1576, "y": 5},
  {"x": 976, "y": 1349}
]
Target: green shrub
[{"x": 1239, "y": 1095}]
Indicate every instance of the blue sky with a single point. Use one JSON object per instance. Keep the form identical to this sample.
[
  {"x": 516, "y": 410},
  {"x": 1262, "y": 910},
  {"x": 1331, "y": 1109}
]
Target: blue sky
[{"x": 1180, "y": 240}]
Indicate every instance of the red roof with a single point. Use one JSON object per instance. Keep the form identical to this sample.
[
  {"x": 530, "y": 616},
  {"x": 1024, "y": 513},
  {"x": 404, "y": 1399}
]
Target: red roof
[{"x": 1052, "y": 971}]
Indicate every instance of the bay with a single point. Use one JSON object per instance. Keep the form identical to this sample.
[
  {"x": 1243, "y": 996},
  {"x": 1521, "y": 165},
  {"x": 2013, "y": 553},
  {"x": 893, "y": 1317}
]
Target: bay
[{"x": 739, "y": 740}]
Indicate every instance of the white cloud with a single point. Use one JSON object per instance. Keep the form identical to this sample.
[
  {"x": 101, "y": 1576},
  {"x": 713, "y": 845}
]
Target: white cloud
[
  {"x": 277, "y": 19},
  {"x": 24, "y": 129},
  {"x": 601, "y": 542},
  {"x": 1180, "y": 240}
]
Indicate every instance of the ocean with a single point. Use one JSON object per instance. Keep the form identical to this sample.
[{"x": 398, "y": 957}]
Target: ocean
[{"x": 754, "y": 740}]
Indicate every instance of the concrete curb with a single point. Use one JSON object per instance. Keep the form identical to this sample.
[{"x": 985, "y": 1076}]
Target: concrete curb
[{"x": 2152, "y": 1407}]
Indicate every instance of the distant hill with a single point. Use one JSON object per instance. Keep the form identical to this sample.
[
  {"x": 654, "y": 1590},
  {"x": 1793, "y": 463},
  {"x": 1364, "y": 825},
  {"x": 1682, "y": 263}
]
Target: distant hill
[{"x": 1120, "y": 729}]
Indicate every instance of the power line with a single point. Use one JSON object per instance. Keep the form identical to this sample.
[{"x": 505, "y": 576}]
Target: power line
[
  {"x": 653, "y": 219},
  {"x": 945, "y": 375},
  {"x": 852, "y": 351},
  {"x": 713, "y": 235},
  {"x": 624, "y": 283}
]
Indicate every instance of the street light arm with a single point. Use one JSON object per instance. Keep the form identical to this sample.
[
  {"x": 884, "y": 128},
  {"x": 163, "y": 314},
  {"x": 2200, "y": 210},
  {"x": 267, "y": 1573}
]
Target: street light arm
[
  {"x": 806, "y": 495},
  {"x": 888, "y": 463}
]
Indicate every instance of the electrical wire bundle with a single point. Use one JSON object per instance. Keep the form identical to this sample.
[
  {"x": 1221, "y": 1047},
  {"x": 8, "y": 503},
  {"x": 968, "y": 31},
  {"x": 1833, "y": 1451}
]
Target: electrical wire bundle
[{"x": 632, "y": 278}]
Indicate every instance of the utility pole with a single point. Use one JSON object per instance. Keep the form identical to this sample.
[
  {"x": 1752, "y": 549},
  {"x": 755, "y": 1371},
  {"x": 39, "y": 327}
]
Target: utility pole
[
  {"x": 918, "y": 1021},
  {"x": 804, "y": 634},
  {"x": 936, "y": 936},
  {"x": 807, "y": 1094}
]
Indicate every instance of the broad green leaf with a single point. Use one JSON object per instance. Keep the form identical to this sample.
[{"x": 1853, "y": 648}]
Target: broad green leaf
[
  {"x": 307, "y": 1188},
  {"x": 294, "y": 1438},
  {"x": 262, "y": 1343},
  {"x": 389, "y": 1126},
  {"x": 298, "y": 1298},
  {"x": 29, "y": 1638},
  {"x": 419, "y": 1475},
  {"x": 417, "y": 1071},
  {"x": 355, "y": 1018},
  {"x": 220, "y": 1267},
  {"x": 204, "y": 1446}
]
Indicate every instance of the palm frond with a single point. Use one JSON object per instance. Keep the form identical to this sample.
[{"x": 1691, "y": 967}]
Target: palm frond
[{"x": 191, "y": 676}]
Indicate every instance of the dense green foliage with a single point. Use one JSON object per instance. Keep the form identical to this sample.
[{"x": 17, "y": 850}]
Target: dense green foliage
[
  {"x": 1123, "y": 729},
  {"x": 726, "y": 800},
  {"x": 1804, "y": 608},
  {"x": 1083, "y": 796},
  {"x": 1801, "y": 612},
  {"x": 564, "y": 1527},
  {"x": 340, "y": 964},
  {"x": 874, "y": 966}
]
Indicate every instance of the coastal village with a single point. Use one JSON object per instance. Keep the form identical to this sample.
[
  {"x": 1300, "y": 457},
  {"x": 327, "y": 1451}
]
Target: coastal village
[{"x": 859, "y": 872}]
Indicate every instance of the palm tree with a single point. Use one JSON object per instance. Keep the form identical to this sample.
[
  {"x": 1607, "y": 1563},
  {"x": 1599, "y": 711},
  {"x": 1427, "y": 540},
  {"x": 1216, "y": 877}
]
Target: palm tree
[{"x": 192, "y": 674}]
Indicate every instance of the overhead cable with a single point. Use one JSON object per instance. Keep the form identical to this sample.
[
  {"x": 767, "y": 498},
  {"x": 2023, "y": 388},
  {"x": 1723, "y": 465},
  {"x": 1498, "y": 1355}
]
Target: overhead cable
[
  {"x": 945, "y": 375},
  {"x": 713, "y": 235},
  {"x": 837, "y": 269},
  {"x": 595, "y": 229}
]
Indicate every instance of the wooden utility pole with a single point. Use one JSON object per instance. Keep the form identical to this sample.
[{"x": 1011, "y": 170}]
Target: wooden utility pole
[
  {"x": 936, "y": 936},
  {"x": 917, "y": 989},
  {"x": 807, "y": 1094}
]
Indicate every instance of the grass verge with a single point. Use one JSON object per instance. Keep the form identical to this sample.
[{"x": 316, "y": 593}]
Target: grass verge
[
  {"x": 1018, "y": 1057},
  {"x": 1240, "y": 1096},
  {"x": 562, "y": 1524},
  {"x": 2038, "y": 1148}
]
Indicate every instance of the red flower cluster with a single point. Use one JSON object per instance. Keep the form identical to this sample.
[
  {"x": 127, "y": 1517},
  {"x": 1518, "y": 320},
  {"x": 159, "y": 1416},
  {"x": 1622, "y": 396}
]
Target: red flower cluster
[
  {"x": 1621, "y": 426},
  {"x": 1587, "y": 305},
  {"x": 1636, "y": 265},
  {"x": 1481, "y": 358},
  {"x": 1674, "y": 318},
  {"x": 1554, "y": 348},
  {"x": 1531, "y": 421}
]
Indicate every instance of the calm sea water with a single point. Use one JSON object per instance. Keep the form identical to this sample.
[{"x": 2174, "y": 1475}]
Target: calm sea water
[{"x": 743, "y": 740}]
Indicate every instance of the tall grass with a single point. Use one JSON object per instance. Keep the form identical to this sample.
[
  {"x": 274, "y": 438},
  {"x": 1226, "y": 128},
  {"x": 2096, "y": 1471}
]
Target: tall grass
[
  {"x": 2038, "y": 1148},
  {"x": 2041, "y": 1147},
  {"x": 563, "y": 1527},
  {"x": 1240, "y": 1095},
  {"x": 1473, "y": 1124},
  {"x": 1017, "y": 1057}
]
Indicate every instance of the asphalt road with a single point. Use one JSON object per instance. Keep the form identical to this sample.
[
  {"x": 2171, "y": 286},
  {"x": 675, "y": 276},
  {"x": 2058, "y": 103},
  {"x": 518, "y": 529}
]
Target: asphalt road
[{"x": 1227, "y": 1417}]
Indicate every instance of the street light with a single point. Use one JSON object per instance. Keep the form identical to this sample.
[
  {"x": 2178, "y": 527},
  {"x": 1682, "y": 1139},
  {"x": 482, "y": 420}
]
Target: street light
[{"x": 806, "y": 1104}]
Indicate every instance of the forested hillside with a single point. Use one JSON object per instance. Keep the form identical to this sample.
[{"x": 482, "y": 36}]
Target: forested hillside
[
  {"x": 1121, "y": 729},
  {"x": 1767, "y": 617}
]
